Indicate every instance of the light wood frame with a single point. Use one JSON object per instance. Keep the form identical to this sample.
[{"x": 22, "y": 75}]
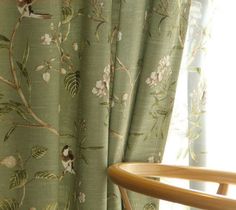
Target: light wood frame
[{"x": 135, "y": 177}]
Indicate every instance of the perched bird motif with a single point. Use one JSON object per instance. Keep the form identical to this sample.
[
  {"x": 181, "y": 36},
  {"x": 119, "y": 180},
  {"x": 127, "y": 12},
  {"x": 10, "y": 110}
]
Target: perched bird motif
[
  {"x": 25, "y": 8},
  {"x": 67, "y": 159}
]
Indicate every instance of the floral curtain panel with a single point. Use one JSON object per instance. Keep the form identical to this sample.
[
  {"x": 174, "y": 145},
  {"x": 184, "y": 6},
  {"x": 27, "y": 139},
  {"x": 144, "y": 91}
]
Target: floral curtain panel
[{"x": 84, "y": 84}]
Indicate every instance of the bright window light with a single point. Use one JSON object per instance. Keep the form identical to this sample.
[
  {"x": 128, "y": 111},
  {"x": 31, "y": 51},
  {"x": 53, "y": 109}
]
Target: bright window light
[
  {"x": 220, "y": 71},
  {"x": 221, "y": 88}
]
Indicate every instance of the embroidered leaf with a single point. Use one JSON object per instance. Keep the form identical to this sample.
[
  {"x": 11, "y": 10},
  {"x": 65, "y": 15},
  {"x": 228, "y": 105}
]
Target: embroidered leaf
[
  {"x": 92, "y": 148},
  {"x": 136, "y": 134},
  {"x": 161, "y": 112},
  {"x": 104, "y": 103},
  {"x": 80, "y": 11},
  {"x": 97, "y": 29},
  {"x": 72, "y": 82},
  {"x": 26, "y": 54},
  {"x": 24, "y": 72},
  {"x": 159, "y": 24},
  {"x": 46, "y": 175},
  {"x": 82, "y": 157},
  {"x": 21, "y": 113},
  {"x": 18, "y": 179},
  {"x": 4, "y": 45},
  {"x": 7, "y": 107},
  {"x": 52, "y": 206},
  {"x": 8, "y": 204},
  {"x": 4, "y": 38},
  {"x": 67, "y": 14},
  {"x": 9, "y": 132},
  {"x": 22, "y": 65},
  {"x": 38, "y": 152},
  {"x": 67, "y": 207},
  {"x": 116, "y": 134},
  {"x": 150, "y": 206},
  {"x": 197, "y": 70}
]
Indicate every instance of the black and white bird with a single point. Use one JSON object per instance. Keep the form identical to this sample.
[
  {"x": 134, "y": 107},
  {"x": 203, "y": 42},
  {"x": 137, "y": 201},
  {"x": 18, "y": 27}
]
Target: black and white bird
[
  {"x": 25, "y": 9},
  {"x": 67, "y": 159}
]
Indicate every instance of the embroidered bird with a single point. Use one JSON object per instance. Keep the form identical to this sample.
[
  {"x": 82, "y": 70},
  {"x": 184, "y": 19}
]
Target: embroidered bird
[
  {"x": 67, "y": 159},
  {"x": 25, "y": 8}
]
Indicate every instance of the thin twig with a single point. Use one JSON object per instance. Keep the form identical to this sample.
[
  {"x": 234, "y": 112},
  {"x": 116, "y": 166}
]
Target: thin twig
[
  {"x": 67, "y": 32},
  {"x": 126, "y": 70},
  {"x": 23, "y": 196},
  {"x": 132, "y": 83},
  {"x": 11, "y": 84},
  {"x": 30, "y": 125},
  {"x": 17, "y": 84}
]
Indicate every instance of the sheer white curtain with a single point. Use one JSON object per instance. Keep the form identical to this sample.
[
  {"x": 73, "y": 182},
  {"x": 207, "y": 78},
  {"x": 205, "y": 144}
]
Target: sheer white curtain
[
  {"x": 221, "y": 80},
  {"x": 203, "y": 127}
]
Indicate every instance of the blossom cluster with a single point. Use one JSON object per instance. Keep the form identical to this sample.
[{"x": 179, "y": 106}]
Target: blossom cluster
[
  {"x": 102, "y": 86},
  {"x": 163, "y": 72}
]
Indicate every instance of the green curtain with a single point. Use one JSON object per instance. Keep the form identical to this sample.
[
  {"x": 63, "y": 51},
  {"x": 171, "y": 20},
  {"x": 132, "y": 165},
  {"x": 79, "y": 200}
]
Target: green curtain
[{"x": 84, "y": 84}]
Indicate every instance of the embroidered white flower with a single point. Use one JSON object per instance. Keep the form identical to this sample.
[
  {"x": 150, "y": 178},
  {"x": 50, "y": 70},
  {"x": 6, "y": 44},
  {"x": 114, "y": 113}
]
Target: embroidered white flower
[
  {"x": 60, "y": 38},
  {"x": 82, "y": 197},
  {"x": 151, "y": 159},
  {"x": 125, "y": 97},
  {"x": 9, "y": 161},
  {"x": 39, "y": 68},
  {"x": 52, "y": 26},
  {"x": 75, "y": 46},
  {"x": 100, "y": 89},
  {"x": 112, "y": 103},
  {"x": 153, "y": 79},
  {"x": 47, "y": 67},
  {"x": 163, "y": 72},
  {"x": 106, "y": 76},
  {"x": 195, "y": 13},
  {"x": 46, "y": 39},
  {"x": 119, "y": 36},
  {"x": 102, "y": 86},
  {"x": 63, "y": 71},
  {"x": 164, "y": 63},
  {"x": 145, "y": 15},
  {"x": 46, "y": 76},
  {"x": 198, "y": 98}
]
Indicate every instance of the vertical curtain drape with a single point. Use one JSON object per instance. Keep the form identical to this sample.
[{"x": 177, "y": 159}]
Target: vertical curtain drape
[{"x": 84, "y": 84}]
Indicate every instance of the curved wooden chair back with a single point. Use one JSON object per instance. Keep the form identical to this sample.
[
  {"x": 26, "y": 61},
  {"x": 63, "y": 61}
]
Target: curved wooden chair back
[{"x": 136, "y": 177}]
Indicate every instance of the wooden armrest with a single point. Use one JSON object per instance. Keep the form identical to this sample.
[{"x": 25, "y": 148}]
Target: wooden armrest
[{"x": 135, "y": 177}]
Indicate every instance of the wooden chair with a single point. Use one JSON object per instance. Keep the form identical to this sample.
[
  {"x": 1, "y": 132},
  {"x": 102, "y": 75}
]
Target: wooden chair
[{"x": 136, "y": 177}]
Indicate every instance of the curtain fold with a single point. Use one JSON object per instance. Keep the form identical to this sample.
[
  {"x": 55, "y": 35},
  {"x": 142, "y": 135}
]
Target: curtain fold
[{"x": 83, "y": 85}]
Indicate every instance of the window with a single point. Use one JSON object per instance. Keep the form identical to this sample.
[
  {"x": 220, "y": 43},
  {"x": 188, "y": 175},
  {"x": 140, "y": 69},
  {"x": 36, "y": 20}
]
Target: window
[{"x": 212, "y": 63}]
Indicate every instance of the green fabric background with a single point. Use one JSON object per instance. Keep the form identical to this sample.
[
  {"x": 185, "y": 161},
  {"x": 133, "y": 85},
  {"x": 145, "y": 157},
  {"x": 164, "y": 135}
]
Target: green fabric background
[{"x": 127, "y": 121}]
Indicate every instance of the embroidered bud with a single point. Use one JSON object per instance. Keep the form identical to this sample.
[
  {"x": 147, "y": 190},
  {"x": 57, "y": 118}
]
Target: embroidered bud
[
  {"x": 46, "y": 76},
  {"x": 9, "y": 161}
]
